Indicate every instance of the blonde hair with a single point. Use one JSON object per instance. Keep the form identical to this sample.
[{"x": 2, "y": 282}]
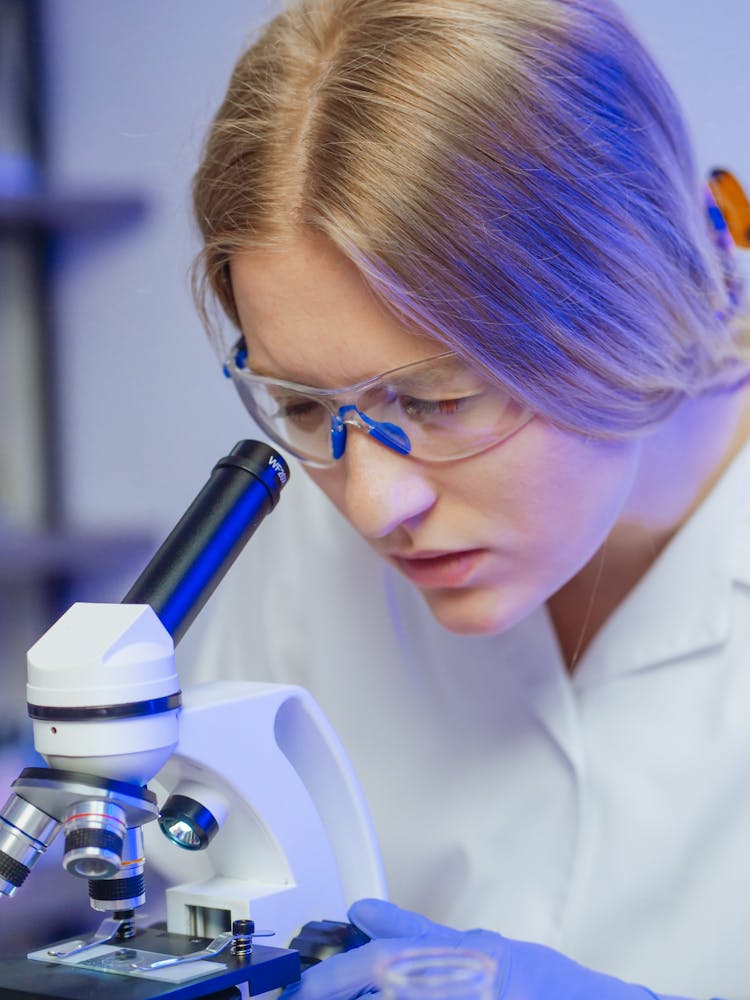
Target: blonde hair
[{"x": 513, "y": 177}]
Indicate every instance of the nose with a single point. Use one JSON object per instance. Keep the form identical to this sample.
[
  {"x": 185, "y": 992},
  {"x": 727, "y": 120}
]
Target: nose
[{"x": 383, "y": 489}]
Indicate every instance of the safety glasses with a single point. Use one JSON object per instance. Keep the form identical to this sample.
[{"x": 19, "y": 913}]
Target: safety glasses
[{"x": 435, "y": 410}]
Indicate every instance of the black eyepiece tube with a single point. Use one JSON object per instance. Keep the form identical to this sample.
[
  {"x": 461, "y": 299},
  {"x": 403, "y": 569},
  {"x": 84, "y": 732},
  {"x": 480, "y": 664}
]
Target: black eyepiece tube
[{"x": 242, "y": 489}]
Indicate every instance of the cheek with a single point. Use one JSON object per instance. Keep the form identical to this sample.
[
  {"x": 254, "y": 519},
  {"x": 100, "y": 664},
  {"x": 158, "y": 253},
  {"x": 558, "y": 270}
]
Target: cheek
[{"x": 562, "y": 495}]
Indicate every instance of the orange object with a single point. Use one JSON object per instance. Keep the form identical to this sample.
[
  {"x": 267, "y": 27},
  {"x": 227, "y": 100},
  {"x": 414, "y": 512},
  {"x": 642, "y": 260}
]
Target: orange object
[{"x": 733, "y": 204}]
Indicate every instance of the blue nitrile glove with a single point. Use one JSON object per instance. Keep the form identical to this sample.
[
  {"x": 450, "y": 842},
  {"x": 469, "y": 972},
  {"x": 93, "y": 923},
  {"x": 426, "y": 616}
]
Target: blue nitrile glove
[{"x": 526, "y": 971}]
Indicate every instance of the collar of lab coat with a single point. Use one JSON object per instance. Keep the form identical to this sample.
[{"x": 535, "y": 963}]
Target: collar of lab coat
[{"x": 683, "y": 605}]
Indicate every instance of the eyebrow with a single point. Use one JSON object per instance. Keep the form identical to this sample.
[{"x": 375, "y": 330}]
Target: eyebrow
[
  {"x": 431, "y": 377},
  {"x": 274, "y": 375},
  {"x": 427, "y": 379},
  {"x": 261, "y": 369}
]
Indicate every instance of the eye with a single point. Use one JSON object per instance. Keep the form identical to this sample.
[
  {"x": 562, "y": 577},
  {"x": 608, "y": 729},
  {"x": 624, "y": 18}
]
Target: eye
[
  {"x": 421, "y": 410},
  {"x": 304, "y": 414}
]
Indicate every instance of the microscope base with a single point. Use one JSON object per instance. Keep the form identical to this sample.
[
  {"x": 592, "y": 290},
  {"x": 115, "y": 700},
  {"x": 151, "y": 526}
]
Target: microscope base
[{"x": 266, "y": 969}]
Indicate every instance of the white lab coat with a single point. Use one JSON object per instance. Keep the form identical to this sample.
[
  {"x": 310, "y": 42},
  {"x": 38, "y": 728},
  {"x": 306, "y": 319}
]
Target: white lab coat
[{"x": 607, "y": 815}]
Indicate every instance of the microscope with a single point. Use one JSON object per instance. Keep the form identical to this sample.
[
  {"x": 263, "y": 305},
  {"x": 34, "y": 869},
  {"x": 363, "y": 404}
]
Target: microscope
[{"x": 240, "y": 793}]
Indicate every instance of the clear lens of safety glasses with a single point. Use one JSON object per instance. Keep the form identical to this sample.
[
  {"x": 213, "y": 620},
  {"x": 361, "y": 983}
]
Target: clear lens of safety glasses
[{"x": 436, "y": 410}]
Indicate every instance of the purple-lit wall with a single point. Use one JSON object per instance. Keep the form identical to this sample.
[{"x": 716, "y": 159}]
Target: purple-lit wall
[
  {"x": 145, "y": 411},
  {"x": 133, "y": 83}
]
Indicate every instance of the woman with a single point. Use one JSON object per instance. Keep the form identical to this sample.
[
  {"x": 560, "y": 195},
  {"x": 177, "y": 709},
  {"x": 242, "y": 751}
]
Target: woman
[{"x": 476, "y": 291}]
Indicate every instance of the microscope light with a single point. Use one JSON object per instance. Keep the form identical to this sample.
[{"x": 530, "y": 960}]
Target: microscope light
[
  {"x": 182, "y": 834},
  {"x": 187, "y": 822}
]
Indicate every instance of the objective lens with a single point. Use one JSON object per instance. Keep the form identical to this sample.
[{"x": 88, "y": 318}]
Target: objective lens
[
  {"x": 94, "y": 833},
  {"x": 25, "y": 834},
  {"x": 126, "y": 890}
]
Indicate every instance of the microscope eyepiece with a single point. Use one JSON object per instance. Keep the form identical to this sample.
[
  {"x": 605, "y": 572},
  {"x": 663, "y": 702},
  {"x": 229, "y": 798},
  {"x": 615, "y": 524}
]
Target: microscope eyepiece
[{"x": 243, "y": 488}]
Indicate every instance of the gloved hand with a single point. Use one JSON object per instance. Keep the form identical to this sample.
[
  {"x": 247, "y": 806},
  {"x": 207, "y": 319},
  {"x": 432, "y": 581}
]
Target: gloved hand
[{"x": 526, "y": 971}]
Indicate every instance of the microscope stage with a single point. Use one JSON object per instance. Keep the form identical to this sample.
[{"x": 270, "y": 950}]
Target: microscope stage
[{"x": 39, "y": 979}]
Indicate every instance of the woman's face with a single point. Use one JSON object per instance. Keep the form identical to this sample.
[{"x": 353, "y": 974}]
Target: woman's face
[{"x": 486, "y": 539}]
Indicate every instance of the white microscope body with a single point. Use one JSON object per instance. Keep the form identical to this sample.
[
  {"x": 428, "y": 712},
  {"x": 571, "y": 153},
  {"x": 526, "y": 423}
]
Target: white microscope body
[
  {"x": 294, "y": 840},
  {"x": 260, "y": 817},
  {"x": 297, "y": 843}
]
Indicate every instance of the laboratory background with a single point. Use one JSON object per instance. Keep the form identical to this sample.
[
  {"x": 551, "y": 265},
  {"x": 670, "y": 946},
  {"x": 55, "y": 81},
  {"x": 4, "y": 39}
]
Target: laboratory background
[{"x": 113, "y": 408}]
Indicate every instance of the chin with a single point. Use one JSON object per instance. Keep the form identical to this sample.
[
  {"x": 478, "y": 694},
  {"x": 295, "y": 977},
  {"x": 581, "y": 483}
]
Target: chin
[{"x": 477, "y": 612}]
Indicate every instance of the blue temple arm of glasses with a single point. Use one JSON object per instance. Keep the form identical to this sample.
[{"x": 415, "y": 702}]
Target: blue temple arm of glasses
[
  {"x": 240, "y": 360},
  {"x": 388, "y": 434}
]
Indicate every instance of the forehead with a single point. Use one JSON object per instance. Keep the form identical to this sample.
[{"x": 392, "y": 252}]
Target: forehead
[{"x": 308, "y": 316}]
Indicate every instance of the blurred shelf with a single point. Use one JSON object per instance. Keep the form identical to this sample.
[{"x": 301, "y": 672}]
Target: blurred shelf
[
  {"x": 71, "y": 213},
  {"x": 35, "y": 556}
]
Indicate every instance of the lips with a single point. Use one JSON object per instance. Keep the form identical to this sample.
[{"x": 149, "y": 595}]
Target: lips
[{"x": 439, "y": 569}]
